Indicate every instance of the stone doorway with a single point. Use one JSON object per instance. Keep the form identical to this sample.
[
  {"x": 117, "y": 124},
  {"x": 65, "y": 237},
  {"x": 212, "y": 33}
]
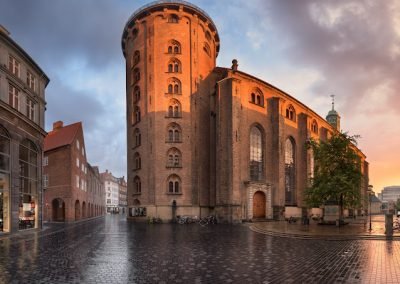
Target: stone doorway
[
  {"x": 58, "y": 209},
  {"x": 259, "y": 205}
]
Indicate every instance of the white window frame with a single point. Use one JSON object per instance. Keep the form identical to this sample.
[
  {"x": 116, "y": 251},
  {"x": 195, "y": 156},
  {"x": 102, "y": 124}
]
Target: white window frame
[
  {"x": 45, "y": 181},
  {"x": 13, "y": 65},
  {"x": 45, "y": 161},
  {"x": 30, "y": 109},
  {"x": 16, "y": 99},
  {"x": 30, "y": 80}
]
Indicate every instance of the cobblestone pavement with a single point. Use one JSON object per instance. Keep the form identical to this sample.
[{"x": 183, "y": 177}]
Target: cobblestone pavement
[{"x": 112, "y": 250}]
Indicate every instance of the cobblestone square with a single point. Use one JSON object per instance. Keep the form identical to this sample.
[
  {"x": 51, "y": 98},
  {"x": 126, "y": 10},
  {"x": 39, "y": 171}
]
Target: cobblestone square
[{"x": 113, "y": 250}]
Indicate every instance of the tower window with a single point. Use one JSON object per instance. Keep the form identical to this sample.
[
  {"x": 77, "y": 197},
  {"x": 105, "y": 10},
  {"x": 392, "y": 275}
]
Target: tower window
[
  {"x": 291, "y": 113},
  {"x": 173, "y": 19},
  {"x": 174, "y": 47},
  {"x": 314, "y": 127},
  {"x": 174, "y": 184}
]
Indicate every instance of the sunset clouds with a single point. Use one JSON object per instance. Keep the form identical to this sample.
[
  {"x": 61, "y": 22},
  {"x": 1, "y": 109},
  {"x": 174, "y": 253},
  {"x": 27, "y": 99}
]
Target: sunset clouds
[{"x": 308, "y": 48}]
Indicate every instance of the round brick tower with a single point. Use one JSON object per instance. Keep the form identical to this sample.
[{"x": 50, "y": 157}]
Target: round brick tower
[{"x": 170, "y": 48}]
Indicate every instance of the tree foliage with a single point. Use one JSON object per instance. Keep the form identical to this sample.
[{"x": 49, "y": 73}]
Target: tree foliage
[{"x": 337, "y": 172}]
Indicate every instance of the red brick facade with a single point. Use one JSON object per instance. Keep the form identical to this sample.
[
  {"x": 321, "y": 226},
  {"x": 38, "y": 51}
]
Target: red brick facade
[{"x": 73, "y": 188}]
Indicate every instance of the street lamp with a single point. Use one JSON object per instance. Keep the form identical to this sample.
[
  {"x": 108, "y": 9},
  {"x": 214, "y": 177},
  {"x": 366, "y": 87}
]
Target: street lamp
[{"x": 370, "y": 194}]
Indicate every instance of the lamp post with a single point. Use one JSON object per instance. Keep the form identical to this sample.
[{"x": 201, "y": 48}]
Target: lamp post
[{"x": 370, "y": 194}]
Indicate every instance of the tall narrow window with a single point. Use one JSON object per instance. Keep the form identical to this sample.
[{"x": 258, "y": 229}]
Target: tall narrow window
[
  {"x": 136, "y": 57},
  {"x": 174, "y": 47},
  {"x": 30, "y": 80},
  {"x": 13, "y": 95},
  {"x": 4, "y": 179},
  {"x": 314, "y": 127},
  {"x": 174, "y": 108},
  {"x": 30, "y": 109},
  {"x": 28, "y": 159},
  {"x": 290, "y": 181},
  {"x": 173, "y": 158},
  {"x": 256, "y": 154},
  {"x": 137, "y": 161},
  {"x": 174, "y": 86},
  {"x": 137, "y": 137},
  {"x": 136, "y": 115},
  {"x": 174, "y": 133},
  {"x": 137, "y": 185},
  {"x": 13, "y": 65}
]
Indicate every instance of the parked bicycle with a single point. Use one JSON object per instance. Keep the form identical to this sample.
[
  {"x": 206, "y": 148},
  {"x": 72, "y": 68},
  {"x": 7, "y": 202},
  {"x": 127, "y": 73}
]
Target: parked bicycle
[
  {"x": 187, "y": 219},
  {"x": 208, "y": 220},
  {"x": 154, "y": 220}
]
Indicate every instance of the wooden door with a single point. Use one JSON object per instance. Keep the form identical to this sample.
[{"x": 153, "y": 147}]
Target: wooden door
[{"x": 259, "y": 205}]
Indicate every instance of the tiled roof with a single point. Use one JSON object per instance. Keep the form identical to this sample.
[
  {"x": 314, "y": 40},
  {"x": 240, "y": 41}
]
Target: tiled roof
[{"x": 61, "y": 137}]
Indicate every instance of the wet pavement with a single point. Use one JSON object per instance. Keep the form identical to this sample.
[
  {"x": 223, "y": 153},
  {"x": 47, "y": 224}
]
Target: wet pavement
[{"x": 112, "y": 250}]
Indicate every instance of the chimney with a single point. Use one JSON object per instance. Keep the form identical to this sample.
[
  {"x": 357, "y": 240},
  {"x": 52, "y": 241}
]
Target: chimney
[
  {"x": 58, "y": 125},
  {"x": 235, "y": 65}
]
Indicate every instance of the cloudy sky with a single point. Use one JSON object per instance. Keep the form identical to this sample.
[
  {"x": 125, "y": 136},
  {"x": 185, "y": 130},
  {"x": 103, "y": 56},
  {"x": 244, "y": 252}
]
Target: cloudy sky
[{"x": 308, "y": 48}]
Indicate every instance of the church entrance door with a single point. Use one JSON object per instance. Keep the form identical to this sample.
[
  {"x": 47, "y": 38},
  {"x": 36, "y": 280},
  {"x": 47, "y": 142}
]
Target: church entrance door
[{"x": 259, "y": 205}]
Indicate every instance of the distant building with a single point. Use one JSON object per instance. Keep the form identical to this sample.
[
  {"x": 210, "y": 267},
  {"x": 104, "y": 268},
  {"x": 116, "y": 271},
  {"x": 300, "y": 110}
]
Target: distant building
[
  {"x": 375, "y": 205},
  {"x": 73, "y": 189},
  {"x": 22, "y": 108},
  {"x": 115, "y": 193},
  {"x": 391, "y": 193}
]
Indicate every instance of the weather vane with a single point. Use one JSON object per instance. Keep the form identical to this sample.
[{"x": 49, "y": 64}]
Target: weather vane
[{"x": 333, "y": 101}]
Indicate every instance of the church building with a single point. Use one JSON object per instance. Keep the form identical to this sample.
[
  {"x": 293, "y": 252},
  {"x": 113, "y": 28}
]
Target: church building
[{"x": 210, "y": 140}]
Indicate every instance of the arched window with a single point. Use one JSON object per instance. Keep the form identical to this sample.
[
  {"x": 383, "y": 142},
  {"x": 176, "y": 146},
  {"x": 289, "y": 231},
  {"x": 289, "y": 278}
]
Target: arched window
[
  {"x": 174, "y": 133},
  {"x": 28, "y": 160},
  {"x": 174, "y": 184},
  {"x": 134, "y": 33},
  {"x": 290, "y": 170},
  {"x": 137, "y": 137},
  {"x": 136, "y": 94},
  {"x": 256, "y": 154},
  {"x": 314, "y": 126},
  {"x": 137, "y": 185},
  {"x": 257, "y": 97},
  {"x": 137, "y": 161},
  {"x": 174, "y": 158},
  {"x": 136, "y": 75},
  {"x": 291, "y": 113},
  {"x": 207, "y": 49},
  {"x": 174, "y": 47},
  {"x": 136, "y": 115},
  {"x": 174, "y": 66},
  {"x": 208, "y": 35},
  {"x": 174, "y": 86},
  {"x": 174, "y": 108},
  {"x": 173, "y": 19},
  {"x": 136, "y": 57}
]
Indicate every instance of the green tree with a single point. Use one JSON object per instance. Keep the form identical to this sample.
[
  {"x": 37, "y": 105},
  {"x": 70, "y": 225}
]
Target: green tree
[{"x": 337, "y": 172}]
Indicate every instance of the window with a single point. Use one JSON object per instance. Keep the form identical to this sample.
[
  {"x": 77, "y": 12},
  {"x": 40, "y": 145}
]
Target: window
[
  {"x": 77, "y": 181},
  {"x": 174, "y": 133},
  {"x": 174, "y": 86},
  {"x": 45, "y": 181},
  {"x": 13, "y": 95},
  {"x": 83, "y": 151},
  {"x": 134, "y": 33},
  {"x": 77, "y": 162},
  {"x": 173, "y": 19},
  {"x": 207, "y": 49},
  {"x": 13, "y": 65},
  {"x": 30, "y": 109},
  {"x": 174, "y": 66},
  {"x": 45, "y": 160},
  {"x": 135, "y": 75},
  {"x": 136, "y": 94},
  {"x": 290, "y": 172},
  {"x": 136, "y": 115},
  {"x": 77, "y": 144},
  {"x": 137, "y": 161},
  {"x": 136, "y": 57},
  {"x": 28, "y": 159},
  {"x": 30, "y": 80},
  {"x": 174, "y": 47},
  {"x": 137, "y": 185},
  {"x": 208, "y": 36},
  {"x": 314, "y": 126},
  {"x": 290, "y": 113},
  {"x": 137, "y": 137},
  {"x": 256, "y": 154},
  {"x": 173, "y": 184},
  {"x": 174, "y": 158},
  {"x": 174, "y": 108},
  {"x": 257, "y": 97},
  {"x": 4, "y": 179}
]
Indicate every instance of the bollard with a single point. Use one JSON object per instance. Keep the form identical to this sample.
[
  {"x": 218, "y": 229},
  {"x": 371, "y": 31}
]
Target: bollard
[{"x": 389, "y": 224}]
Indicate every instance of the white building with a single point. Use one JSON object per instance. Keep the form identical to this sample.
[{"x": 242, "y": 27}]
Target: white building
[
  {"x": 390, "y": 193},
  {"x": 115, "y": 193}
]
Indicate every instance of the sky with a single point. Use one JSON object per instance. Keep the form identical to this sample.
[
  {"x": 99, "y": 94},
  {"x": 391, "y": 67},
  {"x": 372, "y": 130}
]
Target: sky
[{"x": 308, "y": 48}]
